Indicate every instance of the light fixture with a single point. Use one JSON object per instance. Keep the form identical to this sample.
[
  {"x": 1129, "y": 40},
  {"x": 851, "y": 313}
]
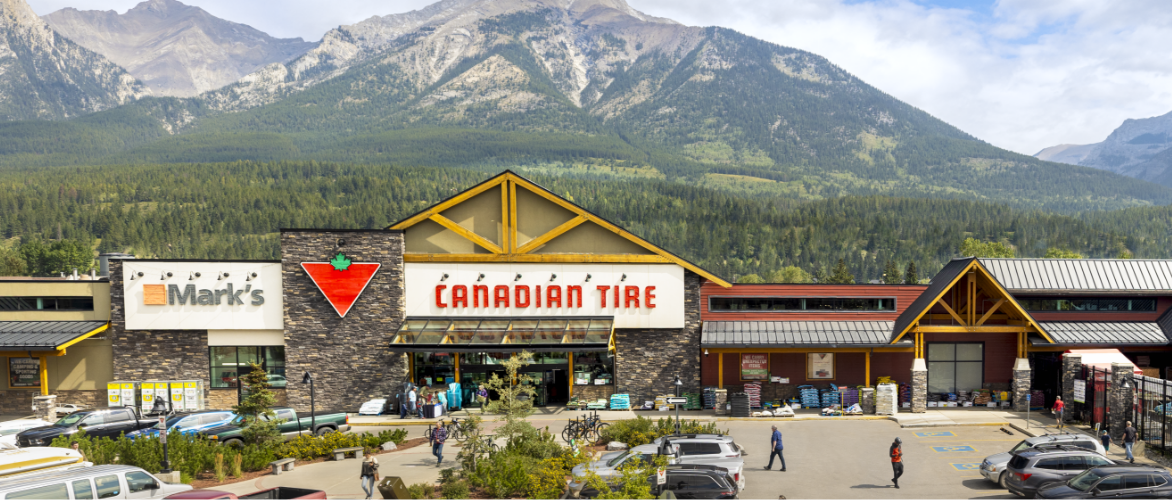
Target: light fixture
[
  {"x": 705, "y": 353},
  {"x": 553, "y": 277},
  {"x": 518, "y": 278},
  {"x": 624, "y": 277},
  {"x": 191, "y": 276},
  {"x": 588, "y": 277},
  {"x": 341, "y": 242},
  {"x": 678, "y": 381},
  {"x": 165, "y": 275},
  {"x": 480, "y": 278},
  {"x": 134, "y": 276},
  {"x": 249, "y": 276},
  {"x": 444, "y": 277},
  {"x": 1124, "y": 384}
]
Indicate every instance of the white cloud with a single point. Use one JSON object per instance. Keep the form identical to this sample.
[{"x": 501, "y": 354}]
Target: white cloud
[{"x": 1025, "y": 75}]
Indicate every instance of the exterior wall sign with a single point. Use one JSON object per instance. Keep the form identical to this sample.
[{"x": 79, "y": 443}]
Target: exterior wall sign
[
  {"x": 178, "y": 295},
  {"x": 820, "y": 366},
  {"x": 1080, "y": 391},
  {"x": 24, "y": 373},
  {"x": 754, "y": 367},
  {"x": 637, "y": 296},
  {"x": 341, "y": 280}
]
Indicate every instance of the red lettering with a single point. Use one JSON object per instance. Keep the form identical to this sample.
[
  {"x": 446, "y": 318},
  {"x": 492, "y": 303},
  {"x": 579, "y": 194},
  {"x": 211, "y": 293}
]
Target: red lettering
[
  {"x": 648, "y": 297},
  {"x": 439, "y": 298},
  {"x": 517, "y": 300},
  {"x": 538, "y": 295},
  {"x": 551, "y": 297},
  {"x": 631, "y": 294},
  {"x": 602, "y": 293},
  {"x": 570, "y": 290},
  {"x": 500, "y": 295},
  {"x": 459, "y": 296},
  {"x": 476, "y": 291},
  {"x": 616, "y": 296}
]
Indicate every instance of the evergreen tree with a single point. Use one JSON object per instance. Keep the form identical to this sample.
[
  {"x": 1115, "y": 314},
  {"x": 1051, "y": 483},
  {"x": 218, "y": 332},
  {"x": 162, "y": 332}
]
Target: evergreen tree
[
  {"x": 11, "y": 263},
  {"x": 841, "y": 275},
  {"x": 1059, "y": 253},
  {"x": 891, "y": 274},
  {"x": 820, "y": 275},
  {"x": 911, "y": 276},
  {"x": 259, "y": 402}
]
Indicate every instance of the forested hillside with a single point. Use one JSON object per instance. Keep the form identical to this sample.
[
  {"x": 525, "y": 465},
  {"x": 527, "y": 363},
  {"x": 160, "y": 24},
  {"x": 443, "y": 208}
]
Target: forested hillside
[{"x": 234, "y": 210}]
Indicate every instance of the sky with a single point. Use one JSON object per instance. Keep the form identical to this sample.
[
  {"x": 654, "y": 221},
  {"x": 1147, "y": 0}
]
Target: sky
[{"x": 1020, "y": 74}]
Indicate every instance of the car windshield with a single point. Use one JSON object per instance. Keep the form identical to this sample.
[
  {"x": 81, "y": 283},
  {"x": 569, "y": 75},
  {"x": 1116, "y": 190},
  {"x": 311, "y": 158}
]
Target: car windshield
[
  {"x": 619, "y": 459},
  {"x": 1084, "y": 481},
  {"x": 1020, "y": 446},
  {"x": 70, "y": 419}
]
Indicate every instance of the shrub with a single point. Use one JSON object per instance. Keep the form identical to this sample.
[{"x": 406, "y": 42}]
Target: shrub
[
  {"x": 549, "y": 480},
  {"x": 421, "y": 490},
  {"x": 454, "y": 489},
  {"x": 504, "y": 474},
  {"x": 237, "y": 470},
  {"x": 221, "y": 475},
  {"x": 640, "y": 430}
]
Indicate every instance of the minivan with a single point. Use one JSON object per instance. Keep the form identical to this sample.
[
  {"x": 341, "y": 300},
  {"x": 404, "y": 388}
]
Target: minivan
[{"x": 101, "y": 481}]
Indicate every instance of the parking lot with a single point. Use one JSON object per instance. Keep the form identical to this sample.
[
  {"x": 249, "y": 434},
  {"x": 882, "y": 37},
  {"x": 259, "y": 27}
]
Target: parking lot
[{"x": 849, "y": 460}]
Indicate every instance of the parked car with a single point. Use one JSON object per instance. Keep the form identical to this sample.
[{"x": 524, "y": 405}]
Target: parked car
[
  {"x": 23, "y": 461},
  {"x": 290, "y": 427},
  {"x": 1114, "y": 481},
  {"x": 189, "y": 424},
  {"x": 110, "y": 423},
  {"x": 688, "y": 481},
  {"x": 281, "y": 492},
  {"x": 1039, "y": 466},
  {"x": 608, "y": 468},
  {"x": 706, "y": 449},
  {"x": 102, "y": 481},
  {"x": 67, "y": 408},
  {"x": 9, "y": 429},
  {"x": 994, "y": 467}
]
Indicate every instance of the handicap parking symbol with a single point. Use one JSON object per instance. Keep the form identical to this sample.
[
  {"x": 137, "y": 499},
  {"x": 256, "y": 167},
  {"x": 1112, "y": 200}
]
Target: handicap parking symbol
[
  {"x": 953, "y": 449},
  {"x": 967, "y": 467},
  {"x": 935, "y": 434}
]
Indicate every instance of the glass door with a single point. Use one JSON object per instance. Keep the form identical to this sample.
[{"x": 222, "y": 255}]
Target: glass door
[{"x": 955, "y": 366}]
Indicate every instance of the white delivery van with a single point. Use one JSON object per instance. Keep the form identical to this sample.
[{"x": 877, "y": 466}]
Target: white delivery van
[{"x": 100, "y": 481}]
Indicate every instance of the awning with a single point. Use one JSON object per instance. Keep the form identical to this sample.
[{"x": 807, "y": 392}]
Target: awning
[
  {"x": 25, "y": 336},
  {"x": 1103, "y": 358},
  {"x": 1112, "y": 333},
  {"x": 505, "y": 334},
  {"x": 741, "y": 334}
]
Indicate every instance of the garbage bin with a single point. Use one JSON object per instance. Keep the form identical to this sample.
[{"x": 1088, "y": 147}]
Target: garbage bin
[{"x": 393, "y": 487}]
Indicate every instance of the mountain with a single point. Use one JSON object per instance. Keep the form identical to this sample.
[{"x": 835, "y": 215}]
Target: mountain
[
  {"x": 176, "y": 49},
  {"x": 44, "y": 75},
  {"x": 1139, "y": 148},
  {"x": 582, "y": 88}
]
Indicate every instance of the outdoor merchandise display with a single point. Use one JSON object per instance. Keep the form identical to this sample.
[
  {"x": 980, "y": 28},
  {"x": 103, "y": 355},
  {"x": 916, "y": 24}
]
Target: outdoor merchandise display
[
  {"x": 709, "y": 398},
  {"x": 455, "y": 396},
  {"x": 620, "y": 402},
  {"x": 753, "y": 389},
  {"x": 885, "y": 399},
  {"x": 809, "y": 396}
]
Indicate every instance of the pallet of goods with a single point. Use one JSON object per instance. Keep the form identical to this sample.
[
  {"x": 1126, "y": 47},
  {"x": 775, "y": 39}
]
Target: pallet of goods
[
  {"x": 620, "y": 402},
  {"x": 753, "y": 389}
]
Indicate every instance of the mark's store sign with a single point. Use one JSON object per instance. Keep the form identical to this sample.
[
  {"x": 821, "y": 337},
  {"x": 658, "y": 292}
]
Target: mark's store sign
[{"x": 637, "y": 295}]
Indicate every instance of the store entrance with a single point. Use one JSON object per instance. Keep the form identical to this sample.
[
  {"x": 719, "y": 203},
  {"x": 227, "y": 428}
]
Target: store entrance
[{"x": 553, "y": 383}]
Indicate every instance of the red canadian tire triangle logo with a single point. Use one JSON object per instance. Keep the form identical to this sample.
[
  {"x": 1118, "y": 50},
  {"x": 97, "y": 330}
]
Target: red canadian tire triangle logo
[{"x": 341, "y": 280}]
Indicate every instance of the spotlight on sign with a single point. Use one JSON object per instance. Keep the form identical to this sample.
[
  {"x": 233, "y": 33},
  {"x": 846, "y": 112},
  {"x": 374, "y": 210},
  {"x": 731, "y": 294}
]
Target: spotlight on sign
[
  {"x": 480, "y": 278},
  {"x": 518, "y": 278},
  {"x": 624, "y": 277},
  {"x": 445, "y": 277},
  {"x": 553, "y": 277},
  {"x": 588, "y": 277}
]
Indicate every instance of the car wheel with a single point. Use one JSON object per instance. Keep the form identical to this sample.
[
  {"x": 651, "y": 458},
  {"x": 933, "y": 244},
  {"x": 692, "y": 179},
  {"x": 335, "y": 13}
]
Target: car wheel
[
  {"x": 324, "y": 430},
  {"x": 1001, "y": 480},
  {"x": 235, "y": 443}
]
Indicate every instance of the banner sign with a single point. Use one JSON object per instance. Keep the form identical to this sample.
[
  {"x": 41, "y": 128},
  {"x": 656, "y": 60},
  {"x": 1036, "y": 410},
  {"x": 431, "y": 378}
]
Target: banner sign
[
  {"x": 820, "y": 366},
  {"x": 636, "y": 295},
  {"x": 754, "y": 367},
  {"x": 341, "y": 280},
  {"x": 1080, "y": 391},
  {"x": 180, "y": 295},
  {"x": 24, "y": 373}
]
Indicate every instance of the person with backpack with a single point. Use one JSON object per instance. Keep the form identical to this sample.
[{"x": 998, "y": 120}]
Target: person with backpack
[
  {"x": 438, "y": 436},
  {"x": 369, "y": 474},
  {"x": 896, "y": 454}
]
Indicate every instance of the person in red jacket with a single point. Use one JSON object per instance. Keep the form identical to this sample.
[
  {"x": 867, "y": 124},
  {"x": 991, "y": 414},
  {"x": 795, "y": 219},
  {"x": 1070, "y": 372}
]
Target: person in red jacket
[
  {"x": 896, "y": 453},
  {"x": 1058, "y": 407}
]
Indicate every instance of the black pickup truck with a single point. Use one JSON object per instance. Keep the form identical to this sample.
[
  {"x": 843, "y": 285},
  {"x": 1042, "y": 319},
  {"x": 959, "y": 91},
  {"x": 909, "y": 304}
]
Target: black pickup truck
[{"x": 101, "y": 423}]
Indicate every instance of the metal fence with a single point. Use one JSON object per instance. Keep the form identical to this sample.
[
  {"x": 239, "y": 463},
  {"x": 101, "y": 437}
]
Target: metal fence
[{"x": 1150, "y": 410}]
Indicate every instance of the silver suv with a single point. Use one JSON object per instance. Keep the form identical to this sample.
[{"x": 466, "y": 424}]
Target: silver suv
[
  {"x": 994, "y": 467},
  {"x": 1032, "y": 469},
  {"x": 705, "y": 449}
]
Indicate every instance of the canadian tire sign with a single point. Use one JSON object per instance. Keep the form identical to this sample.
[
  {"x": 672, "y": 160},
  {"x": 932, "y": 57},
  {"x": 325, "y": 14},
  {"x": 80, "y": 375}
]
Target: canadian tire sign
[{"x": 341, "y": 280}]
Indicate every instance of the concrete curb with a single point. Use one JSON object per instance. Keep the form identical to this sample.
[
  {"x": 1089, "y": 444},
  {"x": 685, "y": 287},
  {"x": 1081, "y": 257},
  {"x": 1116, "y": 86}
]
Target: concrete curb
[
  {"x": 920, "y": 425},
  {"x": 797, "y": 419}
]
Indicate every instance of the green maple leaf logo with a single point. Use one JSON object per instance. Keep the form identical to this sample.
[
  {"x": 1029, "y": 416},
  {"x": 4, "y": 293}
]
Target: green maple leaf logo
[{"x": 340, "y": 262}]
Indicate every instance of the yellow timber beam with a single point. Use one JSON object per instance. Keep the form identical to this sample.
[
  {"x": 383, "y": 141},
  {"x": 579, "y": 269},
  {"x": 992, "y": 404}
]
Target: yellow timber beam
[
  {"x": 977, "y": 329},
  {"x": 720, "y": 370},
  {"x": 44, "y": 375},
  {"x": 988, "y": 314},
  {"x": 729, "y": 350},
  {"x": 534, "y": 243},
  {"x": 506, "y": 240},
  {"x": 31, "y": 354},
  {"x": 463, "y": 231},
  {"x": 449, "y": 203},
  {"x": 952, "y": 313}
]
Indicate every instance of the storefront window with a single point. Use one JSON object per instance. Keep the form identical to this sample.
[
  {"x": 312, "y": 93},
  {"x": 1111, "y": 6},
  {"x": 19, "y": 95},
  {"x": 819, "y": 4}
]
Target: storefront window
[
  {"x": 593, "y": 368},
  {"x": 433, "y": 368},
  {"x": 229, "y": 363}
]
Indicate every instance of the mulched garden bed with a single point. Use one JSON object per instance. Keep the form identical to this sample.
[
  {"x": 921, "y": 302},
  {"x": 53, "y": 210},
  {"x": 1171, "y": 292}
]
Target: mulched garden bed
[{"x": 207, "y": 479}]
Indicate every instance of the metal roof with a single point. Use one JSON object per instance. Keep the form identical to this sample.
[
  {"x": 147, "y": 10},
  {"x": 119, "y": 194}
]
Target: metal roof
[
  {"x": 1106, "y": 332},
  {"x": 940, "y": 282},
  {"x": 42, "y": 335},
  {"x": 1082, "y": 275},
  {"x": 795, "y": 333}
]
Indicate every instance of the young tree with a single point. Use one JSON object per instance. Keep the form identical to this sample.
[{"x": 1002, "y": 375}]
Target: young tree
[
  {"x": 841, "y": 275},
  {"x": 511, "y": 388},
  {"x": 1058, "y": 253},
  {"x": 911, "y": 276},
  {"x": 260, "y": 401},
  {"x": 790, "y": 274},
  {"x": 973, "y": 247},
  {"x": 891, "y": 274},
  {"x": 11, "y": 263}
]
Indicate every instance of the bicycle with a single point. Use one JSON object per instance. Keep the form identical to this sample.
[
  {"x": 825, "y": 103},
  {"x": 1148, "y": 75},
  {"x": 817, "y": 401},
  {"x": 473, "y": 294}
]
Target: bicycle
[
  {"x": 459, "y": 430},
  {"x": 590, "y": 428}
]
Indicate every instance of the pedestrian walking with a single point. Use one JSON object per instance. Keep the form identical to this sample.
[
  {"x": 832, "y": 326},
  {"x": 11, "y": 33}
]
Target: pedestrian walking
[
  {"x": 369, "y": 475},
  {"x": 896, "y": 461},
  {"x": 1057, "y": 409},
  {"x": 775, "y": 448},
  {"x": 482, "y": 397},
  {"x": 438, "y": 436},
  {"x": 1129, "y": 441},
  {"x": 411, "y": 400},
  {"x": 401, "y": 399},
  {"x": 1106, "y": 439}
]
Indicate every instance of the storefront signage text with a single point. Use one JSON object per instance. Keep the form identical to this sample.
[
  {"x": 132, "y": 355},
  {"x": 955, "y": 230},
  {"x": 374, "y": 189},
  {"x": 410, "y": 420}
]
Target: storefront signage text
[
  {"x": 24, "y": 372},
  {"x": 754, "y": 367},
  {"x": 204, "y": 297},
  {"x": 553, "y": 296}
]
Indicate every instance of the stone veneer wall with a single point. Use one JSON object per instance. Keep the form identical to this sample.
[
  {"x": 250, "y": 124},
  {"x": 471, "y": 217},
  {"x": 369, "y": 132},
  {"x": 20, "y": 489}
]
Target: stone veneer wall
[
  {"x": 349, "y": 357},
  {"x": 155, "y": 354},
  {"x": 647, "y": 361}
]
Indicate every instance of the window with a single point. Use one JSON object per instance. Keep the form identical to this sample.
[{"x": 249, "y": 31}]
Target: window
[
  {"x": 1086, "y": 445},
  {"x": 82, "y": 490},
  {"x": 1093, "y": 461},
  {"x": 95, "y": 419},
  {"x": 117, "y": 416},
  {"x": 700, "y": 482},
  {"x": 210, "y": 418},
  {"x": 1157, "y": 480},
  {"x": 953, "y": 367},
  {"x": 140, "y": 481},
  {"x": 1110, "y": 484},
  {"x": 1135, "y": 481},
  {"x": 1087, "y": 304},
  {"x": 287, "y": 415},
  {"x": 1050, "y": 464},
  {"x": 593, "y": 368},
  {"x": 108, "y": 486},
  {"x": 435, "y": 368},
  {"x": 700, "y": 448},
  {"x": 52, "y": 491},
  {"x": 791, "y": 304},
  {"x": 1074, "y": 463},
  {"x": 46, "y": 303},
  {"x": 228, "y": 364}
]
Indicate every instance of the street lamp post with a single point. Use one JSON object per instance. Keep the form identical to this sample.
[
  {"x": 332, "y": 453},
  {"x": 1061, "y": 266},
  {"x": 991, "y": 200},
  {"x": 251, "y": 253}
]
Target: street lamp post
[
  {"x": 308, "y": 379},
  {"x": 679, "y": 385},
  {"x": 160, "y": 410}
]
